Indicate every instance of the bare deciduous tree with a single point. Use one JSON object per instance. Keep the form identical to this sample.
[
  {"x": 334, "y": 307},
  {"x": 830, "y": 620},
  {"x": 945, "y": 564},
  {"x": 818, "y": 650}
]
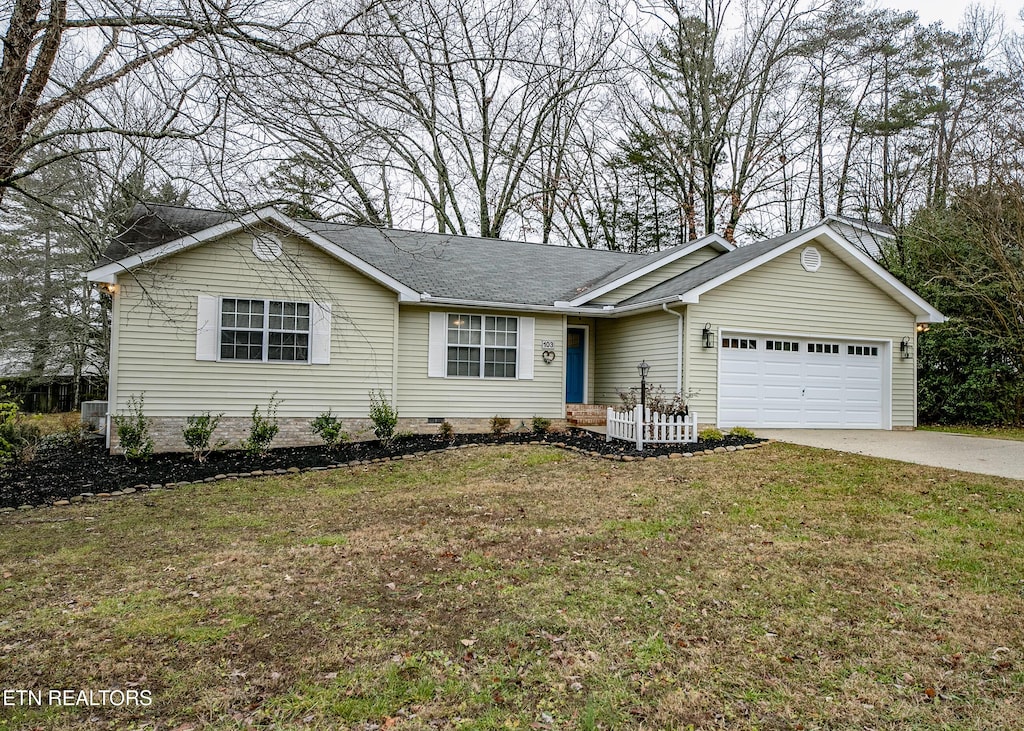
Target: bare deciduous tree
[
  {"x": 58, "y": 57},
  {"x": 462, "y": 110}
]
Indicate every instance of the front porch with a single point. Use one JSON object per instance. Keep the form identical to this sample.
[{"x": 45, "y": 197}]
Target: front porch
[{"x": 586, "y": 415}]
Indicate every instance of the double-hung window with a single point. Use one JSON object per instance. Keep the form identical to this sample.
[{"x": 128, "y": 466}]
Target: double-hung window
[
  {"x": 482, "y": 346},
  {"x": 264, "y": 330}
]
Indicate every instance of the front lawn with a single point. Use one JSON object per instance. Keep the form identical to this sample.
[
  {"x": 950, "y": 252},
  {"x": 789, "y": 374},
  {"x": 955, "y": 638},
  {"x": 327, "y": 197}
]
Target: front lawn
[
  {"x": 528, "y": 587},
  {"x": 1015, "y": 433}
]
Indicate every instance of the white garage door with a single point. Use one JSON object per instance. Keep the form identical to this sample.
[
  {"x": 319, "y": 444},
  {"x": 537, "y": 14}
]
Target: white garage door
[{"x": 812, "y": 383}]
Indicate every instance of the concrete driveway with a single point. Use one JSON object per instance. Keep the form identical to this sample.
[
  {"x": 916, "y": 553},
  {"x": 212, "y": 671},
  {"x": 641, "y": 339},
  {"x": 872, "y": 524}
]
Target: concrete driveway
[{"x": 1000, "y": 457}]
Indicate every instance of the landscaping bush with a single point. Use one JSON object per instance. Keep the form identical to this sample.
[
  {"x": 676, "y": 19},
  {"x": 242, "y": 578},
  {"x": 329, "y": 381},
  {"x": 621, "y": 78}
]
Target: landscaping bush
[
  {"x": 263, "y": 429},
  {"x": 18, "y": 436},
  {"x": 446, "y": 431},
  {"x": 197, "y": 433},
  {"x": 500, "y": 425},
  {"x": 71, "y": 424},
  {"x": 742, "y": 431},
  {"x": 673, "y": 404},
  {"x": 8, "y": 417},
  {"x": 965, "y": 259},
  {"x": 133, "y": 430},
  {"x": 710, "y": 434},
  {"x": 540, "y": 425},
  {"x": 328, "y": 428},
  {"x": 384, "y": 417},
  {"x": 967, "y": 377}
]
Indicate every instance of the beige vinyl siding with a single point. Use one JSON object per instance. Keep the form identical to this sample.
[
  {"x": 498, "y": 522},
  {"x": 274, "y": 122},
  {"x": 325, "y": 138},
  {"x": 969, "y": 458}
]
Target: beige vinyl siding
[
  {"x": 421, "y": 396},
  {"x": 781, "y": 297},
  {"x": 622, "y": 343},
  {"x": 658, "y": 276},
  {"x": 157, "y": 335}
]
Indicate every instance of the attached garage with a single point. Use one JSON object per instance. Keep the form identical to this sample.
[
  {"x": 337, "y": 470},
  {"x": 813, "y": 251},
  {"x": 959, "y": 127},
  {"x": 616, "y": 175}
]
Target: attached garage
[{"x": 812, "y": 382}]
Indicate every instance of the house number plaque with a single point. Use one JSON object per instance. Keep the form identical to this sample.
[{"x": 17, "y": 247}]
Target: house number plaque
[{"x": 547, "y": 344}]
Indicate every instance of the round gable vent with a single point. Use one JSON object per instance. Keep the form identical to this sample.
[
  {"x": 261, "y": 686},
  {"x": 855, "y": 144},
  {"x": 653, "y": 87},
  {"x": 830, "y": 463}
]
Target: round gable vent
[
  {"x": 266, "y": 247},
  {"x": 810, "y": 259}
]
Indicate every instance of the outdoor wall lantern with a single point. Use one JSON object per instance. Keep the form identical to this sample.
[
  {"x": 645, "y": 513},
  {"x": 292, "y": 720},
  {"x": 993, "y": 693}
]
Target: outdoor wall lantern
[
  {"x": 642, "y": 368},
  {"x": 906, "y": 349},
  {"x": 708, "y": 336}
]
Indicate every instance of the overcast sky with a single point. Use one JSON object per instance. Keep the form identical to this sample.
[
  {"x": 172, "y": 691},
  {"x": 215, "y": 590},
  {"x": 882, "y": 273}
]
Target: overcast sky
[{"x": 950, "y": 11}]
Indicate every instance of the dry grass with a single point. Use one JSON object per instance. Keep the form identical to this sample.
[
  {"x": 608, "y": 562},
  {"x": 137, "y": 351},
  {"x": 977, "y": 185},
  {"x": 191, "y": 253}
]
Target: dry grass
[
  {"x": 781, "y": 588},
  {"x": 1015, "y": 433},
  {"x": 64, "y": 422}
]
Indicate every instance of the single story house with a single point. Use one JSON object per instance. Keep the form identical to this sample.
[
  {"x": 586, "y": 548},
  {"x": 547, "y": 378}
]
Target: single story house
[{"x": 218, "y": 312}]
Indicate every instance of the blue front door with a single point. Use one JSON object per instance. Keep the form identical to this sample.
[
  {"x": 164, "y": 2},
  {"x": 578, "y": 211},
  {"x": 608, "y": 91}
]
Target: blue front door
[{"x": 574, "y": 349}]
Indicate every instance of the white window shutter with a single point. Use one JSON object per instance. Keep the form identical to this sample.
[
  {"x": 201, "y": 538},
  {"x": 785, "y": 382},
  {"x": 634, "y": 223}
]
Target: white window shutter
[
  {"x": 320, "y": 334},
  {"x": 437, "y": 349},
  {"x": 526, "y": 327},
  {"x": 206, "y": 328}
]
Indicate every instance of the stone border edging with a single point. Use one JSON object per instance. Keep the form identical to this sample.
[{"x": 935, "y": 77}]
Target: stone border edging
[{"x": 93, "y": 497}]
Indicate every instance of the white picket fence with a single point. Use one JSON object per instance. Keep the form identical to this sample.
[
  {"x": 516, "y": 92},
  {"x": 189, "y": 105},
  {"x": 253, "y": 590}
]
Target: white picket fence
[{"x": 651, "y": 427}]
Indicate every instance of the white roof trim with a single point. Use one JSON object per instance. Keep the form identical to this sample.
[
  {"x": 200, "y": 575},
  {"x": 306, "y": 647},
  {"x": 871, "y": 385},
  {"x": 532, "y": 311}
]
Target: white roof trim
[
  {"x": 557, "y": 308},
  {"x": 269, "y": 214},
  {"x": 872, "y": 270},
  {"x": 713, "y": 239}
]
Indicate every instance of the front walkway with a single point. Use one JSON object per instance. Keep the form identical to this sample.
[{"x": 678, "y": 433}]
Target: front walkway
[{"x": 1000, "y": 457}]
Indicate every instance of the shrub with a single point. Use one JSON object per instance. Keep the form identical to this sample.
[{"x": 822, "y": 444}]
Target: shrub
[
  {"x": 500, "y": 425},
  {"x": 263, "y": 429},
  {"x": 328, "y": 428},
  {"x": 72, "y": 425},
  {"x": 629, "y": 397},
  {"x": 384, "y": 417},
  {"x": 540, "y": 425},
  {"x": 710, "y": 434},
  {"x": 197, "y": 433},
  {"x": 19, "y": 437},
  {"x": 657, "y": 400},
  {"x": 8, "y": 417},
  {"x": 446, "y": 431},
  {"x": 133, "y": 430},
  {"x": 742, "y": 431}
]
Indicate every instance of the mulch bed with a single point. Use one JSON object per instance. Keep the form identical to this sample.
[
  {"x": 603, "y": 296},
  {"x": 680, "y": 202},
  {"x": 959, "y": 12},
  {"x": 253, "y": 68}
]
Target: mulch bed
[{"x": 64, "y": 470}]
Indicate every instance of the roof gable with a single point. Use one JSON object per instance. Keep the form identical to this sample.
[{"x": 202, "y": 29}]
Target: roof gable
[
  {"x": 150, "y": 225},
  {"x": 419, "y": 266},
  {"x": 689, "y": 286},
  {"x": 868, "y": 236},
  {"x": 145, "y": 253},
  {"x": 644, "y": 265},
  {"x": 452, "y": 269}
]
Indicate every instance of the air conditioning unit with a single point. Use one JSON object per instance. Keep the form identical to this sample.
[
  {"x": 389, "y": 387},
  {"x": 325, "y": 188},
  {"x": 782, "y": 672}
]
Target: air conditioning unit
[{"x": 94, "y": 415}]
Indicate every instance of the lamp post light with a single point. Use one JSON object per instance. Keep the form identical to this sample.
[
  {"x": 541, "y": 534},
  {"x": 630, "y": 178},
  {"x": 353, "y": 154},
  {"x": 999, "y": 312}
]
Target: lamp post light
[{"x": 642, "y": 368}]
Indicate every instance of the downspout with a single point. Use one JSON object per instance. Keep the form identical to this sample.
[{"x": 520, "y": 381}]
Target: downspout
[
  {"x": 679, "y": 347},
  {"x": 396, "y": 324},
  {"x": 113, "y": 354}
]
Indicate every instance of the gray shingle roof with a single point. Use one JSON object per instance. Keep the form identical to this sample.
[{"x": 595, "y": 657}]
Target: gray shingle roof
[
  {"x": 632, "y": 265},
  {"x": 479, "y": 269},
  {"x": 151, "y": 224},
  {"x": 874, "y": 226},
  {"x": 442, "y": 265},
  {"x": 709, "y": 270},
  {"x": 449, "y": 266}
]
